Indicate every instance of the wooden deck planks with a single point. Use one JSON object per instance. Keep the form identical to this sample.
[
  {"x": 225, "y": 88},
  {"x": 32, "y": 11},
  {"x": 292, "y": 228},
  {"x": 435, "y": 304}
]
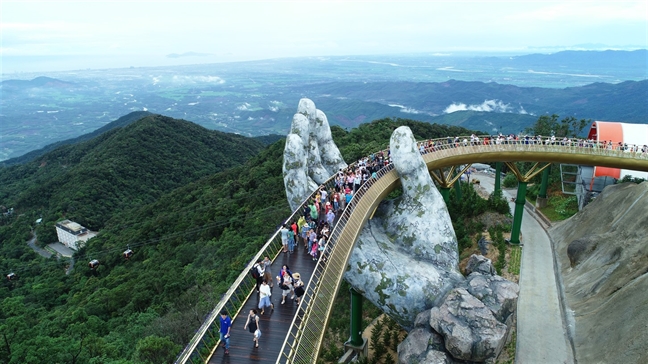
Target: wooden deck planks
[{"x": 274, "y": 324}]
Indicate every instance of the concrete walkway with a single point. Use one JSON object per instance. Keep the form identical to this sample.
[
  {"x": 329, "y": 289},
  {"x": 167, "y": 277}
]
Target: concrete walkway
[
  {"x": 541, "y": 337},
  {"x": 32, "y": 244},
  {"x": 62, "y": 249}
]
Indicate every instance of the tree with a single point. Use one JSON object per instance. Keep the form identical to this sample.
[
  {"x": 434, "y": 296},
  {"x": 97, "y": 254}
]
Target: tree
[
  {"x": 549, "y": 125},
  {"x": 155, "y": 349}
]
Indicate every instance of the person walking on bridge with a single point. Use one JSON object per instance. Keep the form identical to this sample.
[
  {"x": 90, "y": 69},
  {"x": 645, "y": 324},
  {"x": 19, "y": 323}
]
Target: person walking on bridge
[
  {"x": 265, "y": 294},
  {"x": 253, "y": 323},
  {"x": 298, "y": 286},
  {"x": 267, "y": 271},
  {"x": 284, "y": 237},
  {"x": 225, "y": 326},
  {"x": 285, "y": 283},
  {"x": 258, "y": 266}
]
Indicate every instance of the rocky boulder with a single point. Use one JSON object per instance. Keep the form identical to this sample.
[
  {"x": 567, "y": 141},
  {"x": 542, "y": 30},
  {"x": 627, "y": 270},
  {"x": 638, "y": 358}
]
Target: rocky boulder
[
  {"x": 479, "y": 264},
  {"x": 495, "y": 292},
  {"x": 422, "y": 344},
  {"x": 405, "y": 259},
  {"x": 469, "y": 328}
]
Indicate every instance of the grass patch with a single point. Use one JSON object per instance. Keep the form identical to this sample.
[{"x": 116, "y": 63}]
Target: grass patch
[
  {"x": 515, "y": 258},
  {"x": 508, "y": 353}
]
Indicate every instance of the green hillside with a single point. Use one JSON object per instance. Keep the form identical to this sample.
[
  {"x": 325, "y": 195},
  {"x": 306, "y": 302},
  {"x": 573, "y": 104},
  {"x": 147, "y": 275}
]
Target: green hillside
[
  {"x": 488, "y": 121},
  {"x": 121, "y": 122},
  {"x": 190, "y": 243},
  {"x": 120, "y": 169}
]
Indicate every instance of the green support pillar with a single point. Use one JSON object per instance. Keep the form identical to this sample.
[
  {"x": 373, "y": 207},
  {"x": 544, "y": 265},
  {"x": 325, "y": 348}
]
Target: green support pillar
[
  {"x": 356, "y": 319},
  {"x": 520, "y": 200},
  {"x": 541, "y": 200},
  {"x": 545, "y": 182},
  {"x": 445, "y": 192},
  {"x": 498, "y": 173},
  {"x": 457, "y": 187}
]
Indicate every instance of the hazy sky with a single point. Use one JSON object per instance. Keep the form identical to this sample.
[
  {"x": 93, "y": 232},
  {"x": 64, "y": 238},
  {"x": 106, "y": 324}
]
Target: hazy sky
[{"x": 147, "y": 31}]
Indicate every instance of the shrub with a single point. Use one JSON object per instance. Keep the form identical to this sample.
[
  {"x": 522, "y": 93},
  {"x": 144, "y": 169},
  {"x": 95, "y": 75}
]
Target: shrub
[
  {"x": 510, "y": 181},
  {"x": 565, "y": 206}
]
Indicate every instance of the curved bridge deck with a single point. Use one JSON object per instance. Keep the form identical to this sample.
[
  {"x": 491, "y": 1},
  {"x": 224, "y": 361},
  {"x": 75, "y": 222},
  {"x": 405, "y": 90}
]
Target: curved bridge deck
[
  {"x": 299, "y": 341},
  {"x": 274, "y": 324}
]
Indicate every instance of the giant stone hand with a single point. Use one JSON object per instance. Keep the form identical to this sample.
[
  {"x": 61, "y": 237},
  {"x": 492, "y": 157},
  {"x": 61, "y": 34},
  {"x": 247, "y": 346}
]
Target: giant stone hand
[
  {"x": 310, "y": 155},
  {"x": 406, "y": 259}
]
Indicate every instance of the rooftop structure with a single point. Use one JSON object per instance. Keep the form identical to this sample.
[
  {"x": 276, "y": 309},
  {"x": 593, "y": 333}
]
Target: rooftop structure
[{"x": 72, "y": 234}]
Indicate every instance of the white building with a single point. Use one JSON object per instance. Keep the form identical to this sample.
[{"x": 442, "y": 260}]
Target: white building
[{"x": 73, "y": 235}]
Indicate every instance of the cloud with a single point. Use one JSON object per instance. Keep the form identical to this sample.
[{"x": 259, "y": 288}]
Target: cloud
[
  {"x": 409, "y": 110},
  {"x": 487, "y": 106},
  {"x": 187, "y": 54},
  {"x": 243, "y": 107},
  {"x": 275, "y": 105},
  {"x": 198, "y": 79}
]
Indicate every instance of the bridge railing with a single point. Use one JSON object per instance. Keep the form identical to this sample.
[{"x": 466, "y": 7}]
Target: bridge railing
[
  {"x": 303, "y": 341},
  {"x": 207, "y": 337}
]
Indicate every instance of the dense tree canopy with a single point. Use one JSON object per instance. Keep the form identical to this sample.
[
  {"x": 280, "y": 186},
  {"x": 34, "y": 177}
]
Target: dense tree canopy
[{"x": 192, "y": 230}]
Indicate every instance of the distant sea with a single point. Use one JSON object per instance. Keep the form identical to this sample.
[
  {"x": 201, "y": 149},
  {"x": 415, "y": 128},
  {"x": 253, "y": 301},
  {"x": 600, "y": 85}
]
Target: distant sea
[{"x": 15, "y": 66}]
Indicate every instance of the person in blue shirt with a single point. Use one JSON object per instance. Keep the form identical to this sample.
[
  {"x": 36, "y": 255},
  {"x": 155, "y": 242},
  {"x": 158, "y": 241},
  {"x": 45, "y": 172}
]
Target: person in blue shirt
[
  {"x": 225, "y": 325},
  {"x": 349, "y": 196},
  {"x": 284, "y": 238},
  {"x": 305, "y": 232}
]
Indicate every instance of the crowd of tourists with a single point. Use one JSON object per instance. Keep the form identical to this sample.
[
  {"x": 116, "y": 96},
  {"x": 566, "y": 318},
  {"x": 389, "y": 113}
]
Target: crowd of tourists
[
  {"x": 311, "y": 230},
  {"x": 314, "y": 225},
  {"x": 500, "y": 139}
]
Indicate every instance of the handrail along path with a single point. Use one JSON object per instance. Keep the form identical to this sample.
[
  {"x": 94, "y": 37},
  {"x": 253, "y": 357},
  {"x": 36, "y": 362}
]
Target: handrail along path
[{"x": 303, "y": 340}]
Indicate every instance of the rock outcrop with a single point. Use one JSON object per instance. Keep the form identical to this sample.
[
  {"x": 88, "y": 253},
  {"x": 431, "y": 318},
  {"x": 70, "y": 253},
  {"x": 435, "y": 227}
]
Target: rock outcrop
[
  {"x": 603, "y": 260},
  {"x": 405, "y": 259},
  {"x": 496, "y": 293},
  {"x": 310, "y": 155},
  {"x": 479, "y": 264},
  {"x": 469, "y": 328}
]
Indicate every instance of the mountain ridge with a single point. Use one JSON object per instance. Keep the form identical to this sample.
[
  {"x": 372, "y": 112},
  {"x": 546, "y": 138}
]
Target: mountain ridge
[{"x": 121, "y": 165}]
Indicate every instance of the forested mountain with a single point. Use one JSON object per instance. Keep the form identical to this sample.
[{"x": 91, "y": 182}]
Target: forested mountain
[
  {"x": 119, "y": 169},
  {"x": 121, "y": 122},
  {"x": 189, "y": 243},
  {"x": 624, "y": 101}
]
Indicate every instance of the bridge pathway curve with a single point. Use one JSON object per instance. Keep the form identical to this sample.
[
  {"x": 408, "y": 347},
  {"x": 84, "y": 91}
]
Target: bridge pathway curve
[{"x": 274, "y": 324}]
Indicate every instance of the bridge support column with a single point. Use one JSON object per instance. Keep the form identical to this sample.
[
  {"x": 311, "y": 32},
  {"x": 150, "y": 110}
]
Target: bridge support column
[
  {"x": 356, "y": 318},
  {"x": 541, "y": 201},
  {"x": 520, "y": 200},
  {"x": 445, "y": 192},
  {"x": 357, "y": 345},
  {"x": 498, "y": 185},
  {"x": 457, "y": 187}
]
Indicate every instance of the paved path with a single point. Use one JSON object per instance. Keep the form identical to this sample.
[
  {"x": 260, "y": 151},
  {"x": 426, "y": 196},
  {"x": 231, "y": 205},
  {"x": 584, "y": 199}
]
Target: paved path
[
  {"x": 541, "y": 337},
  {"x": 32, "y": 244},
  {"x": 61, "y": 249}
]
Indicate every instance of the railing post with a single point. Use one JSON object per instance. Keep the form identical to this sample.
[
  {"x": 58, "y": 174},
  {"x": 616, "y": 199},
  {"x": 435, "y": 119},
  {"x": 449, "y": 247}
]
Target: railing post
[
  {"x": 541, "y": 201},
  {"x": 520, "y": 200}
]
